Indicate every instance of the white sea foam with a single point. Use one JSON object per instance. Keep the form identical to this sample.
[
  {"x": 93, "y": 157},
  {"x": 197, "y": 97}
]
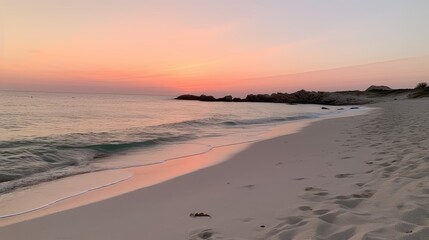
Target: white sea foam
[{"x": 44, "y": 137}]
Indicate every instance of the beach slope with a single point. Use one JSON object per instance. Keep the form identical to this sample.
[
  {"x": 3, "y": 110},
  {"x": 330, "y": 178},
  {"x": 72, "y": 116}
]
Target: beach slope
[{"x": 361, "y": 177}]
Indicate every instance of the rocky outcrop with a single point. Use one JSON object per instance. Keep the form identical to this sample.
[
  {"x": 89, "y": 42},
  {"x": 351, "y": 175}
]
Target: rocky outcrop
[
  {"x": 378, "y": 88},
  {"x": 372, "y": 94},
  {"x": 308, "y": 97},
  {"x": 203, "y": 97},
  {"x": 225, "y": 99},
  {"x": 206, "y": 98},
  {"x": 188, "y": 97},
  {"x": 302, "y": 96},
  {"x": 259, "y": 98}
]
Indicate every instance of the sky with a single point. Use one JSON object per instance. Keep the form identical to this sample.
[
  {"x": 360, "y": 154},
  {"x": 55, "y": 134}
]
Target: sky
[{"x": 212, "y": 46}]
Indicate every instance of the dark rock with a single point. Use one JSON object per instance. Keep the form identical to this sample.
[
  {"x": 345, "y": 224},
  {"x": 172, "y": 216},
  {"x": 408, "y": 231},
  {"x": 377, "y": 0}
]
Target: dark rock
[
  {"x": 207, "y": 98},
  {"x": 325, "y": 108},
  {"x": 225, "y": 99},
  {"x": 187, "y": 97},
  {"x": 250, "y": 98},
  {"x": 228, "y": 98},
  {"x": 259, "y": 98},
  {"x": 378, "y": 88},
  {"x": 199, "y": 98},
  {"x": 354, "y": 108},
  {"x": 340, "y": 98},
  {"x": 280, "y": 97},
  {"x": 340, "y": 109},
  {"x": 200, "y": 214}
]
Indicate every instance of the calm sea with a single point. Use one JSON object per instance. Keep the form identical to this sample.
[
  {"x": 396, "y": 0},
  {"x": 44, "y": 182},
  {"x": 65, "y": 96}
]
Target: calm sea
[{"x": 45, "y": 136}]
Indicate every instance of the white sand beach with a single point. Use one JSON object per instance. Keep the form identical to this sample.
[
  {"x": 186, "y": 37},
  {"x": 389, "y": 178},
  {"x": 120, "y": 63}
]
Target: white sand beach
[{"x": 359, "y": 177}]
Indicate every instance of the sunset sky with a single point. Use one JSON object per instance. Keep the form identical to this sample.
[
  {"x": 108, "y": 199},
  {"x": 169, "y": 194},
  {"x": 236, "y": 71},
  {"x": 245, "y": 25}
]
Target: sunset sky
[{"x": 212, "y": 46}]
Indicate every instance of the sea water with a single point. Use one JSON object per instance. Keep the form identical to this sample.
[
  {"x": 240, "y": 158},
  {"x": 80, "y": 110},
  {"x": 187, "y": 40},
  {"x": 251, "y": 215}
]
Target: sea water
[{"x": 46, "y": 136}]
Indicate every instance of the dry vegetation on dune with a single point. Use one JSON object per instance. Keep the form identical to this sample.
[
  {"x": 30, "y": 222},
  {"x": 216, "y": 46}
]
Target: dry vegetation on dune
[{"x": 420, "y": 91}]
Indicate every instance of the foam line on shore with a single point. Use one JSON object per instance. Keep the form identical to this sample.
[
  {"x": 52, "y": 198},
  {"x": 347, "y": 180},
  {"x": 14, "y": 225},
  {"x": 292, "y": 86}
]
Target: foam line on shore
[
  {"x": 65, "y": 198},
  {"x": 209, "y": 149},
  {"x": 121, "y": 180}
]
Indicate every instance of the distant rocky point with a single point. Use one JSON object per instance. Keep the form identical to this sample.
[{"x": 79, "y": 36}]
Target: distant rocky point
[
  {"x": 378, "y": 88},
  {"x": 370, "y": 95}
]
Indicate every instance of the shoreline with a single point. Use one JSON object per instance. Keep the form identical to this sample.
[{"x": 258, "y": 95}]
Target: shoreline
[
  {"x": 49, "y": 197},
  {"x": 328, "y": 181},
  {"x": 71, "y": 199}
]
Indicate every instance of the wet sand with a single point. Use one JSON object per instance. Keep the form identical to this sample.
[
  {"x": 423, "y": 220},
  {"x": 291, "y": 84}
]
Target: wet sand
[{"x": 361, "y": 177}]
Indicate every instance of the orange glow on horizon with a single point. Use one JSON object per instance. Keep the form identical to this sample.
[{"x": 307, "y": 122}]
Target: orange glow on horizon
[{"x": 191, "y": 48}]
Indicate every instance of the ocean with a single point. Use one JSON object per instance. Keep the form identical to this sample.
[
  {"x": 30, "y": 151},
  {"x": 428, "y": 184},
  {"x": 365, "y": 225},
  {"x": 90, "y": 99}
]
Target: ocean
[{"x": 46, "y": 136}]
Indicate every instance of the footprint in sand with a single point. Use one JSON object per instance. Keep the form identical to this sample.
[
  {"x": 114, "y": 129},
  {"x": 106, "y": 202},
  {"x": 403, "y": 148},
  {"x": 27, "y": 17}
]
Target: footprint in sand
[
  {"x": 420, "y": 233},
  {"x": 342, "y": 197},
  {"x": 344, "y": 175},
  {"x": 250, "y": 186},
  {"x": 405, "y": 227},
  {"x": 417, "y": 215},
  {"x": 299, "y": 179},
  {"x": 390, "y": 169},
  {"x": 353, "y": 200},
  {"x": 383, "y": 153},
  {"x": 294, "y": 219},
  {"x": 247, "y": 219},
  {"x": 321, "y": 193},
  {"x": 385, "y": 164},
  {"x": 349, "y": 203},
  {"x": 312, "y": 189},
  {"x": 375, "y": 144},
  {"x": 330, "y": 217},
  {"x": 368, "y": 193},
  {"x": 365, "y": 194},
  {"x": 321, "y": 211},
  {"x": 305, "y": 208},
  {"x": 201, "y": 234},
  {"x": 314, "y": 194}
]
